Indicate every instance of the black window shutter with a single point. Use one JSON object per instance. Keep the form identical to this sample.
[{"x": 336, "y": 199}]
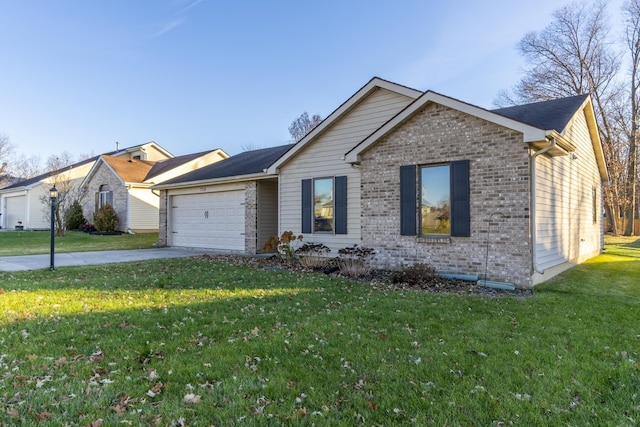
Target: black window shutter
[
  {"x": 460, "y": 209},
  {"x": 97, "y": 202},
  {"x": 307, "y": 205},
  {"x": 340, "y": 205},
  {"x": 408, "y": 200}
]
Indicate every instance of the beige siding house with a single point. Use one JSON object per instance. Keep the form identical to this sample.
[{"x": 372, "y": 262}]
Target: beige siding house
[
  {"x": 125, "y": 183},
  {"x": 22, "y": 200}
]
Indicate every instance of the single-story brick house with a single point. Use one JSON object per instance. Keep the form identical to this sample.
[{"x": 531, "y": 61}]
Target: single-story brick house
[
  {"x": 421, "y": 178},
  {"x": 125, "y": 184}
]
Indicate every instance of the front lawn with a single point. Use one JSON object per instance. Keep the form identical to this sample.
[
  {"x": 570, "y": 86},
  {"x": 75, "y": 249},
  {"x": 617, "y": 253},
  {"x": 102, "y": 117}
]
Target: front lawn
[
  {"x": 39, "y": 242},
  {"x": 198, "y": 342}
]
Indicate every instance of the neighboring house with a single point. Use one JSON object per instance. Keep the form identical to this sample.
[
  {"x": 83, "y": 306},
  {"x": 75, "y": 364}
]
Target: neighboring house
[
  {"x": 231, "y": 205},
  {"x": 125, "y": 184},
  {"x": 21, "y": 201}
]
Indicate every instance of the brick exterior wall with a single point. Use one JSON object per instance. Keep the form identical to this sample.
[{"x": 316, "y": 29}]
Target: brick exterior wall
[
  {"x": 250, "y": 217},
  {"x": 102, "y": 176},
  {"x": 163, "y": 220},
  {"x": 499, "y": 182}
]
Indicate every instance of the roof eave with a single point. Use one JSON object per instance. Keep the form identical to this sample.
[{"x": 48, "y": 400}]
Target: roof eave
[
  {"x": 216, "y": 181},
  {"x": 530, "y": 133},
  {"x": 373, "y": 84}
]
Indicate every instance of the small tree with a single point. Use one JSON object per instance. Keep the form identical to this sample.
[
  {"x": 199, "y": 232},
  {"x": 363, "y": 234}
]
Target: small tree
[
  {"x": 303, "y": 125},
  {"x": 68, "y": 189},
  {"x": 73, "y": 217},
  {"x": 105, "y": 219}
]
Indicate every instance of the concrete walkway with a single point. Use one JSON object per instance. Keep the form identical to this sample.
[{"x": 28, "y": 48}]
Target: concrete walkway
[{"x": 37, "y": 262}]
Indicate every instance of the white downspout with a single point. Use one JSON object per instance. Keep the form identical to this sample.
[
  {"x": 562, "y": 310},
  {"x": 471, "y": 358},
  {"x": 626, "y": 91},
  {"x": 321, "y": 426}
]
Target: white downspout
[{"x": 532, "y": 210}]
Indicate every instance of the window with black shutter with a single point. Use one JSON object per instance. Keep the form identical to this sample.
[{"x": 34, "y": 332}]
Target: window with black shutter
[
  {"x": 435, "y": 202},
  {"x": 324, "y": 205}
]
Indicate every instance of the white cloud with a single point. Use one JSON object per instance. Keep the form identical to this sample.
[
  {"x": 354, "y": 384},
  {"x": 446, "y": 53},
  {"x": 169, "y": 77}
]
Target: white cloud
[
  {"x": 170, "y": 26},
  {"x": 195, "y": 3}
]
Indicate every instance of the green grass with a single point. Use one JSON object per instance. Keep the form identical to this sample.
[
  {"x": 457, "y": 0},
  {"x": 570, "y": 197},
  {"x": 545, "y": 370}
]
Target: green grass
[
  {"x": 199, "y": 343},
  {"x": 38, "y": 242}
]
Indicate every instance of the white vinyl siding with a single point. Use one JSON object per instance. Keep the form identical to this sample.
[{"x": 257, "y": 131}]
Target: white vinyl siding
[
  {"x": 208, "y": 220},
  {"x": 38, "y": 213},
  {"x": 324, "y": 157},
  {"x": 142, "y": 210},
  {"x": 267, "y": 212},
  {"x": 564, "y": 194}
]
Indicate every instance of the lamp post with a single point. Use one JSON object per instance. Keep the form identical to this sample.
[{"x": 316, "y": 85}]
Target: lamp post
[{"x": 53, "y": 193}]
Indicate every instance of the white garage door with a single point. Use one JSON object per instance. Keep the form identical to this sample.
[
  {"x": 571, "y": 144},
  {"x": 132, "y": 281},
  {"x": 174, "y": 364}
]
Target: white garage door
[
  {"x": 208, "y": 220},
  {"x": 15, "y": 210}
]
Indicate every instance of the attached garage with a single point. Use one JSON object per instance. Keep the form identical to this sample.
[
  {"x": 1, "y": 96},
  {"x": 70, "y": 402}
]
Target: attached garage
[
  {"x": 15, "y": 210},
  {"x": 231, "y": 205},
  {"x": 209, "y": 220}
]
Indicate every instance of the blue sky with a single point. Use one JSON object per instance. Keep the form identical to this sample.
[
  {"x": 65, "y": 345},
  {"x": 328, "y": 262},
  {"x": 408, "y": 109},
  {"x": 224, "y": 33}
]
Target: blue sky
[{"x": 194, "y": 75}]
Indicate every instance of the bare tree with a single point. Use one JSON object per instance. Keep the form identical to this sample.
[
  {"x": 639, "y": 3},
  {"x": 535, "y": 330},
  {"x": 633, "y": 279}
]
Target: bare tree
[
  {"x": 573, "y": 56},
  {"x": 6, "y": 150},
  {"x": 250, "y": 146},
  {"x": 631, "y": 12},
  {"x": 68, "y": 190},
  {"x": 304, "y": 124},
  {"x": 24, "y": 167}
]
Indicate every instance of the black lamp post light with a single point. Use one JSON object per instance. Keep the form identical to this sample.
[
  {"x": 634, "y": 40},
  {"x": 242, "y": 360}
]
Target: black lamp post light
[{"x": 53, "y": 193}]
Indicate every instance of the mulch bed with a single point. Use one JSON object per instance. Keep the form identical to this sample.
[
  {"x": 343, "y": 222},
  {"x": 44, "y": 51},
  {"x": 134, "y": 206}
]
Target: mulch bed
[{"x": 376, "y": 277}]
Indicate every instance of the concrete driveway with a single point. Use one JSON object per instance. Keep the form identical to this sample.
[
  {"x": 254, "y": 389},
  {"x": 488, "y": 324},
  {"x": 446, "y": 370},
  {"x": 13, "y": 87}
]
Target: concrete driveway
[{"x": 37, "y": 262}]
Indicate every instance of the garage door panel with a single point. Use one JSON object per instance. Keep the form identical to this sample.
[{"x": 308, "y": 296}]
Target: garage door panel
[
  {"x": 210, "y": 220},
  {"x": 15, "y": 210}
]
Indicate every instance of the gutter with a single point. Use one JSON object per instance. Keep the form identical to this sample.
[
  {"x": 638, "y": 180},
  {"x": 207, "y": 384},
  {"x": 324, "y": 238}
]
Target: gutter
[{"x": 532, "y": 209}]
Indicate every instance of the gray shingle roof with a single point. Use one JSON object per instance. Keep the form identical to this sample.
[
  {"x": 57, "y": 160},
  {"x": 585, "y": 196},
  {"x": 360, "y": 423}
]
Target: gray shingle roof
[
  {"x": 548, "y": 115},
  {"x": 166, "y": 165},
  {"x": 38, "y": 178},
  {"x": 246, "y": 163}
]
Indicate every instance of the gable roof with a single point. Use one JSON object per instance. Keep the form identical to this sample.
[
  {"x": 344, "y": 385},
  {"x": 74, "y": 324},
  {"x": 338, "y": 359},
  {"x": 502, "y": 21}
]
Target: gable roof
[
  {"x": 26, "y": 183},
  {"x": 554, "y": 114},
  {"x": 541, "y": 123},
  {"x": 373, "y": 84},
  {"x": 166, "y": 165},
  {"x": 129, "y": 170},
  {"x": 241, "y": 165},
  {"x": 530, "y": 133}
]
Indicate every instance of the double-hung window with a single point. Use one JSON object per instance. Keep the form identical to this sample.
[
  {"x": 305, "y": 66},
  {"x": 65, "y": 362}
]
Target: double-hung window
[
  {"x": 324, "y": 205},
  {"x": 104, "y": 196},
  {"x": 434, "y": 200}
]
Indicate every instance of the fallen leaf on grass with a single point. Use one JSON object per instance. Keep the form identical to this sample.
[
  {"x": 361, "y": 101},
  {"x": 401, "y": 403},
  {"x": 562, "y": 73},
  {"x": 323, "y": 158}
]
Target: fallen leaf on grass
[
  {"x": 156, "y": 389},
  {"x": 191, "y": 398},
  {"x": 43, "y": 416},
  {"x": 96, "y": 357}
]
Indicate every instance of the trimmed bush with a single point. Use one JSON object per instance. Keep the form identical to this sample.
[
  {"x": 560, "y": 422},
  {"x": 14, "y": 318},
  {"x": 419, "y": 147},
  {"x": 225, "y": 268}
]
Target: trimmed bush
[
  {"x": 73, "y": 217},
  {"x": 105, "y": 219}
]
